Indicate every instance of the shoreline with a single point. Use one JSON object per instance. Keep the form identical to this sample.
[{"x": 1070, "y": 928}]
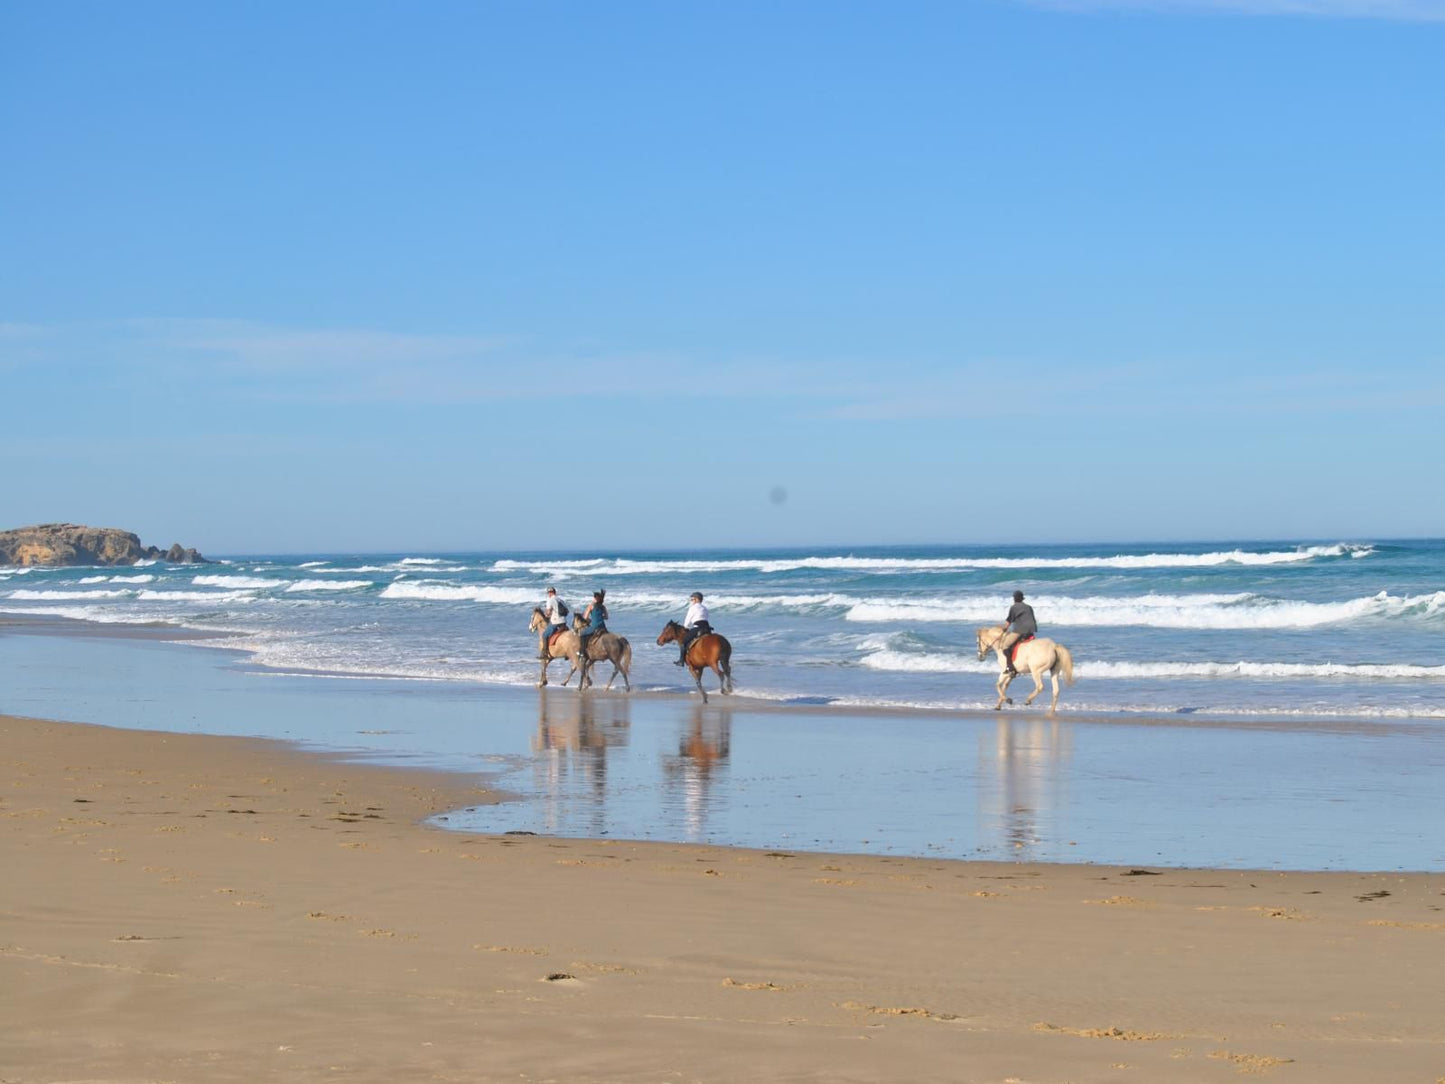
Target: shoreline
[
  {"x": 199, "y": 907},
  {"x": 66, "y": 627},
  {"x": 1010, "y": 786}
]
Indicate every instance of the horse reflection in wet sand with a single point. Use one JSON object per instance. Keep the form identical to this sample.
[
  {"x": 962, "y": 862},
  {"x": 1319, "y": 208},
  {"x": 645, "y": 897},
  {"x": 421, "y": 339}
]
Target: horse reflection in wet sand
[
  {"x": 1037, "y": 656},
  {"x": 708, "y": 651},
  {"x": 603, "y": 646}
]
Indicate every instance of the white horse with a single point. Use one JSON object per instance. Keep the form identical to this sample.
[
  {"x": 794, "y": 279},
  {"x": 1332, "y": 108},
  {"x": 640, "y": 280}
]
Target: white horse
[{"x": 1036, "y": 656}]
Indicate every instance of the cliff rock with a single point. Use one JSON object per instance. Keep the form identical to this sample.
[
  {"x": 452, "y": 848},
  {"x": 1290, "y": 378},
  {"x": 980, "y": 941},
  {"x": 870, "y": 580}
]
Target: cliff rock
[{"x": 69, "y": 544}]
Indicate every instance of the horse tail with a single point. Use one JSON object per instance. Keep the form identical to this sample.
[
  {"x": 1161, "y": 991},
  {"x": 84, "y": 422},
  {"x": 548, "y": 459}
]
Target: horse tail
[
  {"x": 1064, "y": 662},
  {"x": 626, "y": 654}
]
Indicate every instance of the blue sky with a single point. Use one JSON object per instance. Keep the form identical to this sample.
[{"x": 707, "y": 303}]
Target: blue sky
[{"x": 281, "y": 277}]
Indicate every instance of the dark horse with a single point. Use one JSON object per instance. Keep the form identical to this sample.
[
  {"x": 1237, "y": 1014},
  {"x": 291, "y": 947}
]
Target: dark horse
[{"x": 709, "y": 649}]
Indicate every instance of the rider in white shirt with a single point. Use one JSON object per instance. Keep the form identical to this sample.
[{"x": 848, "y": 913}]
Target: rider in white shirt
[
  {"x": 695, "y": 624},
  {"x": 556, "y": 611}
]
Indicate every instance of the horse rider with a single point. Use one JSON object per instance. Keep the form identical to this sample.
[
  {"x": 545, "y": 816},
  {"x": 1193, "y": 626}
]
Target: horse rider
[
  {"x": 556, "y": 611},
  {"x": 596, "y": 617},
  {"x": 695, "y": 624},
  {"x": 1019, "y": 624}
]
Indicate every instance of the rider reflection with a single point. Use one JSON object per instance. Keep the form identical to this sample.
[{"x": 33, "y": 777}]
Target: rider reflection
[
  {"x": 573, "y": 736},
  {"x": 702, "y": 751},
  {"x": 1026, "y": 758}
]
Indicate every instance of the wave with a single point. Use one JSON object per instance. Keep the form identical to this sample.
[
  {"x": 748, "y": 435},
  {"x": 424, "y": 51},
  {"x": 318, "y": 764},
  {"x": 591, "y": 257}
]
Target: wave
[
  {"x": 1203, "y": 611},
  {"x": 328, "y": 585},
  {"x": 195, "y": 596},
  {"x": 250, "y": 583},
  {"x": 312, "y": 564},
  {"x": 67, "y": 596},
  {"x": 622, "y": 566},
  {"x": 117, "y": 579},
  {"x": 445, "y": 592}
]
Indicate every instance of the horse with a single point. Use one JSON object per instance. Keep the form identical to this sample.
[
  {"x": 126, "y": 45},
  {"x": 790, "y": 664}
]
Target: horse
[
  {"x": 708, "y": 650},
  {"x": 1036, "y": 656},
  {"x": 609, "y": 646}
]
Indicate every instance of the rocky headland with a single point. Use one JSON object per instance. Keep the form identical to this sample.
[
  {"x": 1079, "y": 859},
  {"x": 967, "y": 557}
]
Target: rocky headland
[{"x": 70, "y": 544}]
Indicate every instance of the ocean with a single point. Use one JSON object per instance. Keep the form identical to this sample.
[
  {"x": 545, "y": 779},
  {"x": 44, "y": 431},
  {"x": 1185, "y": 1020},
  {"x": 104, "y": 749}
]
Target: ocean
[{"x": 1342, "y": 629}]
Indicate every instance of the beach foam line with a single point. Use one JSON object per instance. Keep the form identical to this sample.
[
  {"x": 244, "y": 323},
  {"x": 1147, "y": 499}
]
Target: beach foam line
[{"x": 911, "y": 662}]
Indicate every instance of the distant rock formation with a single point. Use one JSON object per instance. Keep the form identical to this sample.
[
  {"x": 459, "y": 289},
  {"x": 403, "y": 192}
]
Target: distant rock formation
[{"x": 68, "y": 544}]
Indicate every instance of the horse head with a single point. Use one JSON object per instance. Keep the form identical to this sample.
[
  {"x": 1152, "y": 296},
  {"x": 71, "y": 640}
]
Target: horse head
[
  {"x": 985, "y": 641},
  {"x": 669, "y": 633},
  {"x": 538, "y": 619}
]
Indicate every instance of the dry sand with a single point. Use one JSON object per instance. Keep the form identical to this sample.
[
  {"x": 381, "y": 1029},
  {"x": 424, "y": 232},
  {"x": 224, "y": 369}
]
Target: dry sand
[{"x": 197, "y": 909}]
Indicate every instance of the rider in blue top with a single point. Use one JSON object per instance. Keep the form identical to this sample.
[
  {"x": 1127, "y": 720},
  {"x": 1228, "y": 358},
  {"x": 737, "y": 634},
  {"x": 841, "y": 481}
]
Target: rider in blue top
[{"x": 596, "y": 617}]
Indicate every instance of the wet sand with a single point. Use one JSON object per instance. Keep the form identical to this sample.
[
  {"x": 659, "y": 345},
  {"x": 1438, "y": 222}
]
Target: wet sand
[{"x": 204, "y": 908}]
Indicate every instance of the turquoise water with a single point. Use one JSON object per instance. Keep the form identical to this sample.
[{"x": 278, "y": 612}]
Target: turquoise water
[{"x": 1351, "y": 629}]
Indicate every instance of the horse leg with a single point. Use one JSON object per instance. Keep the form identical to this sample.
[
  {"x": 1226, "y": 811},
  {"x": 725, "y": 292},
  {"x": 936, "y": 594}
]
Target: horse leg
[
  {"x": 542, "y": 680},
  {"x": 1038, "y": 686},
  {"x": 1054, "y": 707},
  {"x": 697, "y": 677},
  {"x": 1005, "y": 679}
]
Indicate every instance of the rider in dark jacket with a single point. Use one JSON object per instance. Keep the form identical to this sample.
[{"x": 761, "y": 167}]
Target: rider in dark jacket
[{"x": 1019, "y": 624}]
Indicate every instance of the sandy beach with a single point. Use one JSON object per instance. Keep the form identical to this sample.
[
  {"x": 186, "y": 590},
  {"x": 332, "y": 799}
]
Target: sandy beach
[{"x": 203, "y": 908}]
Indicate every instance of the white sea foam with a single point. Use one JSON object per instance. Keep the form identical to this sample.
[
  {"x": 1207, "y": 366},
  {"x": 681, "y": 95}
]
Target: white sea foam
[
  {"x": 312, "y": 564},
  {"x": 328, "y": 585},
  {"x": 252, "y": 583},
  {"x": 1204, "y": 611},
  {"x": 98, "y": 614},
  {"x": 943, "y": 662},
  {"x": 445, "y": 592},
  {"x": 67, "y": 596},
  {"x": 599, "y": 566},
  {"x": 195, "y": 596}
]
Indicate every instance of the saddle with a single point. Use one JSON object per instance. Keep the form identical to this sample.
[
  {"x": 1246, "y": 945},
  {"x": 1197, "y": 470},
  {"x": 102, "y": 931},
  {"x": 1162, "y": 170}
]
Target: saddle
[
  {"x": 552, "y": 642},
  {"x": 1014, "y": 650}
]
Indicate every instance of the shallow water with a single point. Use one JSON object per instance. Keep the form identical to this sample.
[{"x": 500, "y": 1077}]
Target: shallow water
[{"x": 1178, "y": 791}]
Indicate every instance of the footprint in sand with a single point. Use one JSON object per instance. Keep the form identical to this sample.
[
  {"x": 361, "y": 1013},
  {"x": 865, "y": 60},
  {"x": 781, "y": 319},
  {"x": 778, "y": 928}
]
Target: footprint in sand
[{"x": 1250, "y": 1063}]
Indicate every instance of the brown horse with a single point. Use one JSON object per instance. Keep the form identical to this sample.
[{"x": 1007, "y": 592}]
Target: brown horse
[
  {"x": 708, "y": 650},
  {"x": 615, "y": 649}
]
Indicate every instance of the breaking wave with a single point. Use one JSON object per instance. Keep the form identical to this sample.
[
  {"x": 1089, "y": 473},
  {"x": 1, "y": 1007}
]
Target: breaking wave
[
  {"x": 600, "y": 566},
  {"x": 446, "y": 592},
  {"x": 328, "y": 585},
  {"x": 1204, "y": 611},
  {"x": 254, "y": 583}
]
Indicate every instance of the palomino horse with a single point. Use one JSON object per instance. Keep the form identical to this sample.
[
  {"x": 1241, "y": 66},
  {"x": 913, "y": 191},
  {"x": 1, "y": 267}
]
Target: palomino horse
[
  {"x": 1036, "y": 656},
  {"x": 615, "y": 649},
  {"x": 709, "y": 649}
]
